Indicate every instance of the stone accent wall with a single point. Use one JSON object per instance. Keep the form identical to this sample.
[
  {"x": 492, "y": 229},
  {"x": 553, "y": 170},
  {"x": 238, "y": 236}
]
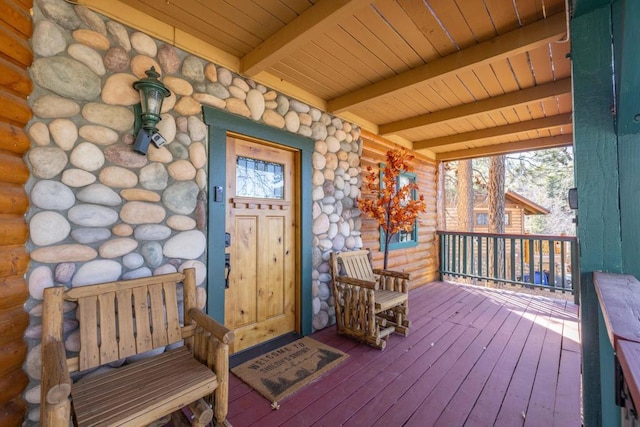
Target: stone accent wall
[{"x": 101, "y": 212}]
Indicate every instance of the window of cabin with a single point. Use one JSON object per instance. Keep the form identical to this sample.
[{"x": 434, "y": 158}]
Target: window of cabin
[
  {"x": 402, "y": 239},
  {"x": 482, "y": 219}
]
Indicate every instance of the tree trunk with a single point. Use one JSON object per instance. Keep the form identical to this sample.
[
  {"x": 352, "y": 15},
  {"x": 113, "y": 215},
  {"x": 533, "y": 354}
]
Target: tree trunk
[
  {"x": 465, "y": 195},
  {"x": 465, "y": 210},
  {"x": 496, "y": 214},
  {"x": 441, "y": 202}
]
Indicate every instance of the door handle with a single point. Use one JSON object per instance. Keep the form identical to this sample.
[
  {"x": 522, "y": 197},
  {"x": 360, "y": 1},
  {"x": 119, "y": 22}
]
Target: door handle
[
  {"x": 227, "y": 260},
  {"x": 227, "y": 268}
]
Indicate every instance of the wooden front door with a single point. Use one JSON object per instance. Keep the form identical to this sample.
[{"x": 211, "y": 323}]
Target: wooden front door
[{"x": 260, "y": 302}]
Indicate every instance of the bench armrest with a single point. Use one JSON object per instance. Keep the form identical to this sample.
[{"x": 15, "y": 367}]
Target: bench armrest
[
  {"x": 56, "y": 382},
  {"x": 392, "y": 273},
  {"x": 218, "y": 331},
  {"x": 356, "y": 282}
]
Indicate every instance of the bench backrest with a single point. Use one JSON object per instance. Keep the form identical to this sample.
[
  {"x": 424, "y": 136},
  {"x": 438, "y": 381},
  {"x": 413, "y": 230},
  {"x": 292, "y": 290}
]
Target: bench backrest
[
  {"x": 124, "y": 318},
  {"x": 356, "y": 264}
]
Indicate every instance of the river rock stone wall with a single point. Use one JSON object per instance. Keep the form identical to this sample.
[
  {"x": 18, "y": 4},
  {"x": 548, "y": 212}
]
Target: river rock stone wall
[{"x": 101, "y": 212}]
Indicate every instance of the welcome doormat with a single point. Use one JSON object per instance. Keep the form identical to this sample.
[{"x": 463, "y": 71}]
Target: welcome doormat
[{"x": 285, "y": 370}]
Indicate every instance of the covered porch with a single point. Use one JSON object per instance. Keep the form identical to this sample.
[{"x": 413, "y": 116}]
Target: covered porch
[
  {"x": 447, "y": 79},
  {"x": 475, "y": 356}
]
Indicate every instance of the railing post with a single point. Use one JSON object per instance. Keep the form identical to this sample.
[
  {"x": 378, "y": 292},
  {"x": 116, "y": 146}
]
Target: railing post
[{"x": 575, "y": 271}]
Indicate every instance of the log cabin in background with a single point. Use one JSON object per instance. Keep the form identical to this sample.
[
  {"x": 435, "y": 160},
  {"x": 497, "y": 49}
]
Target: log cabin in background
[{"x": 516, "y": 207}]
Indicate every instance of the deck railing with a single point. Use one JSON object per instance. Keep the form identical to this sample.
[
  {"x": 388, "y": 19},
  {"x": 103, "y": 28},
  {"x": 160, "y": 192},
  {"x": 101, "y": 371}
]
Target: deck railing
[{"x": 533, "y": 261}]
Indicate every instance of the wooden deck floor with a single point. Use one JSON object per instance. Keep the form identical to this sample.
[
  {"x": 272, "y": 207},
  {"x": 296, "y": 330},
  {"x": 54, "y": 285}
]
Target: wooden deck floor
[{"x": 473, "y": 357}]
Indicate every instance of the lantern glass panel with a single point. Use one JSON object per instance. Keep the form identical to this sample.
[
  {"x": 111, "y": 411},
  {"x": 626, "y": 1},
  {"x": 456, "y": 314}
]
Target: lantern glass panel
[{"x": 151, "y": 100}]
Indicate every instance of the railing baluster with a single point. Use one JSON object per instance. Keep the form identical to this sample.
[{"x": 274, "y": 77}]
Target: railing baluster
[
  {"x": 563, "y": 273},
  {"x": 532, "y": 255},
  {"x": 552, "y": 265},
  {"x": 522, "y": 259},
  {"x": 464, "y": 254},
  {"x": 479, "y": 256},
  {"x": 512, "y": 253},
  {"x": 454, "y": 255},
  {"x": 473, "y": 255},
  {"x": 487, "y": 253}
]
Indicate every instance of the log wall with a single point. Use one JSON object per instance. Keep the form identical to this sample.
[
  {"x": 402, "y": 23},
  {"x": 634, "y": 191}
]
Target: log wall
[
  {"x": 420, "y": 261},
  {"x": 15, "y": 87}
]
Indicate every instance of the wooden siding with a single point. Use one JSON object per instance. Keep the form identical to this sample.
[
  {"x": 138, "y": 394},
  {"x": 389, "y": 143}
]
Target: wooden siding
[
  {"x": 420, "y": 261},
  {"x": 15, "y": 87}
]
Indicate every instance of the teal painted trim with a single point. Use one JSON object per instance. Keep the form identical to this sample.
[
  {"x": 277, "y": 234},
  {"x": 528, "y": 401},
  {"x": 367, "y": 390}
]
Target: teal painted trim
[
  {"x": 400, "y": 245},
  {"x": 216, "y": 215},
  {"x": 626, "y": 33},
  {"x": 597, "y": 180},
  {"x": 610, "y": 411},
  {"x": 582, "y": 7},
  {"x": 220, "y": 123}
]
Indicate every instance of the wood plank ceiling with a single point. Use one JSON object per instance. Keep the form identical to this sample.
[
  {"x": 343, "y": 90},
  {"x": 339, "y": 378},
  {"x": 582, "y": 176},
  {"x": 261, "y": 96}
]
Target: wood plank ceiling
[{"x": 450, "y": 78}]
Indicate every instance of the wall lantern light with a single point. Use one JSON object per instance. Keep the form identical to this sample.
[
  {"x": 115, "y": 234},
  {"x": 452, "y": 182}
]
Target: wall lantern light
[{"x": 152, "y": 93}]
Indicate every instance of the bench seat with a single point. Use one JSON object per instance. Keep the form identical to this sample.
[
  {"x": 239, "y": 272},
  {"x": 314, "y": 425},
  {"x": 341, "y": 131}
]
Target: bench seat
[
  {"x": 386, "y": 300},
  {"x": 148, "y": 389}
]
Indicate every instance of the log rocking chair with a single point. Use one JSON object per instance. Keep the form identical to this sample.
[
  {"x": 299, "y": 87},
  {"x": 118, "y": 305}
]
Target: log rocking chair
[{"x": 370, "y": 303}]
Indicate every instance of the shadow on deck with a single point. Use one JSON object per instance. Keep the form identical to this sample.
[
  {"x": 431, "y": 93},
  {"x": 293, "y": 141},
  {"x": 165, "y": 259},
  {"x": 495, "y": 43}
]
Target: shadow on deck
[{"x": 474, "y": 357}]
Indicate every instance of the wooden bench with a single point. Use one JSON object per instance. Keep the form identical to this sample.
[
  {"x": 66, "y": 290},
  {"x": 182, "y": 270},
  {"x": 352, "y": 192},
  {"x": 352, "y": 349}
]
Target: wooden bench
[
  {"x": 370, "y": 303},
  {"x": 126, "y": 318}
]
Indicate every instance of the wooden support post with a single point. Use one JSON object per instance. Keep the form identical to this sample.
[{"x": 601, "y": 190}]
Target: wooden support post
[
  {"x": 221, "y": 395},
  {"x": 189, "y": 295}
]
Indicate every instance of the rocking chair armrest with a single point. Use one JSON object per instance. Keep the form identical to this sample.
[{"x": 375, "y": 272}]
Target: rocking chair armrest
[
  {"x": 216, "y": 329},
  {"x": 356, "y": 282},
  {"x": 56, "y": 382},
  {"x": 392, "y": 273}
]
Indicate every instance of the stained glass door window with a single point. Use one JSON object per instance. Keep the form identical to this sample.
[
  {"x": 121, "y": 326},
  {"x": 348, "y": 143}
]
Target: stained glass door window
[{"x": 258, "y": 178}]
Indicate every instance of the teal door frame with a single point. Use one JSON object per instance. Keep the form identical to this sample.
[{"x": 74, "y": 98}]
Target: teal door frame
[{"x": 220, "y": 124}]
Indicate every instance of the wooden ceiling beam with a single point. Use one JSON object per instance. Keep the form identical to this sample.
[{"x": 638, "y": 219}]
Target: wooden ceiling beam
[
  {"x": 507, "y": 148},
  {"x": 493, "y": 132},
  {"x": 309, "y": 24},
  {"x": 509, "y": 44},
  {"x": 508, "y": 100}
]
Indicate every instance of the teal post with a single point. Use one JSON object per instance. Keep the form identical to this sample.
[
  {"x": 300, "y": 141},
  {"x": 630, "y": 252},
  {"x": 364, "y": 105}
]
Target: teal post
[{"x": 596, "y": 173}]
